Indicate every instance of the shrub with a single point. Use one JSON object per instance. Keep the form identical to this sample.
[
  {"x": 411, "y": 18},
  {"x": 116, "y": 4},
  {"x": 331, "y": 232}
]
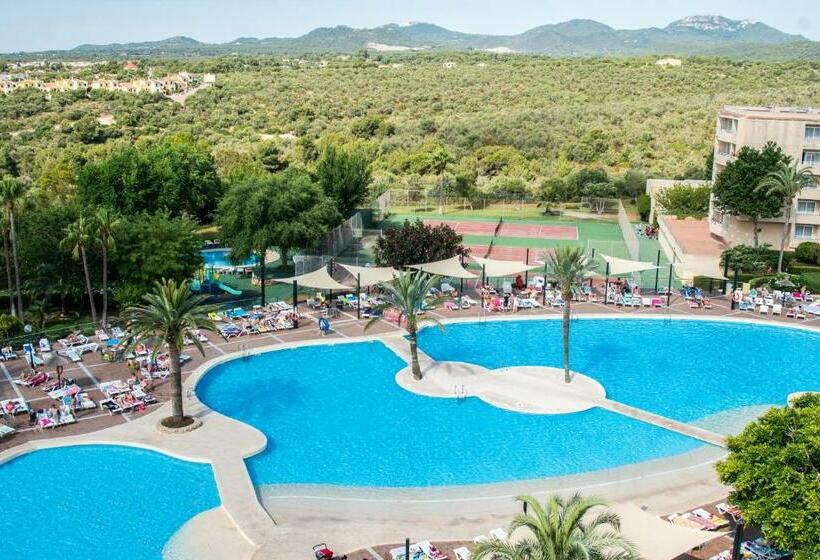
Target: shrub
[
  {"x": 812, "y": 281},
  {"x": 10, "y": 326},
  {"x": 684, "y": 201},
  {"x": 644, "y": 205},
  {"x": 808, "y": 252}
]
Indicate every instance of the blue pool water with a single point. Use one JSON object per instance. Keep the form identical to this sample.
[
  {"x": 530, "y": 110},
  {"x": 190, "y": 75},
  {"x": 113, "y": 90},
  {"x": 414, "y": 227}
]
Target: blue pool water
[
  {"x": 334, "y": 414},
  {"x": 220, "y": 258},
  {"x": 98, "y": 501},
  {"x": 685, "y": 370}
]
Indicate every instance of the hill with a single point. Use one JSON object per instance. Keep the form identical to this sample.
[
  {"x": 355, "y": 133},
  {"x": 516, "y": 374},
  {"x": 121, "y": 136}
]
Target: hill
[{"x": 694, "y": 35}]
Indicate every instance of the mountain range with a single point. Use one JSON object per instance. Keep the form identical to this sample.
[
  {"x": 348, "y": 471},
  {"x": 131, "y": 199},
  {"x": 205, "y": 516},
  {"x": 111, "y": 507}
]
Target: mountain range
[{"x": 694, "y": 35}]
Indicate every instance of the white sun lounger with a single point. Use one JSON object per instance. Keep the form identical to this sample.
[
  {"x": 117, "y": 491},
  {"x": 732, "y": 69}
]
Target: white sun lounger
[
  {"x": 6, "y": 430},
  {"x": 462, "y": 553},
  {"x": 8, "y": 353},
  {"x": 499, "y": 534},
  {"x": 44, "y": 345},
  {"x": 398, "y": 553},
  {"x": 764, "y": 309},
  {"x": 430, "y": 551},
  {"x": 19, "y": 405}
]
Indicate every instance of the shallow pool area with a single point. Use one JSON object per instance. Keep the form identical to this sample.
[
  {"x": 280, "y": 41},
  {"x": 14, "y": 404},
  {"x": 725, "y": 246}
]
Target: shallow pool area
[
  {"x": 98, "y": 501},
  {"x": 333, "y": 414},
  {"x": 220, "y": 258}
]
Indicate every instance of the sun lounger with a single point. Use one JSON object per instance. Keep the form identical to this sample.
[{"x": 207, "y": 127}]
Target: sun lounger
[
  {"x": 431, "y": 551},
  {"x": 72, "y": 355},
  {"x": 777, "y": 309},
  {"x": 68, "y": 390},
  {"x": 116, "y": 387},
  {"x": 13, "y": 406},
  {"x": 715, "y": 520},
  {"x": 499, "y": 534},
  {"x": 33, "y": 381},
  {"x": 44, "y": 345},
  {"x": 657, "y": 302},
  {"x": 764, "y": 309},
  {"x": 732, "y": 511},
  {"x": 101, "y": 335},
  {"x": 77, "y": 340},
  {"x": 686, "y": 520},
  {"x": 110, "y": 406},
  {"x": 38, "y": 361},
  {"x": 84, "y": 402},
  {"x": 6, "y": 430},
  {"x": 8, "y": 353},
  {"x": 462, "y": 553},
  {"x": 398, "y": 553}
]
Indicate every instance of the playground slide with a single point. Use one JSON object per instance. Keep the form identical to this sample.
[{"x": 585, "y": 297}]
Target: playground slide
[{"x": 226, "y": 288}]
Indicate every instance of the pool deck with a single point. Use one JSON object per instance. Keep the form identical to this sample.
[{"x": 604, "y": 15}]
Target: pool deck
[{"x": 273, "y": 519}]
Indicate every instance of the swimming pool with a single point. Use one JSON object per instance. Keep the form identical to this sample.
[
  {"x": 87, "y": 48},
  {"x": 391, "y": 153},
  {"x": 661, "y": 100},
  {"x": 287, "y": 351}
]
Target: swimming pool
[
  {"x": 333, "y": 414},
  {"x": 98, "y": 501},
  {"x": 220, "y": 258},
  {"x": 683, "y": 369}
]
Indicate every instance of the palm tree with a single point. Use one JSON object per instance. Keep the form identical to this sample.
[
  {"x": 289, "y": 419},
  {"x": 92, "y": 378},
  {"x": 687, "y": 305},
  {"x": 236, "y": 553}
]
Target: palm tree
[
  {"x": 562, "y": 530},
  {"x": 11, "y": 193},
  {"x": 169, "y": 314},
  {"x": 787, "y": 181},
  {"x": 567, "y": 266},
  {"x": 406, "y": 293},
  {"x": 78, "y": 237},
  {"x": 4, "y": 231},
  {"x": 107, "y": 223}
]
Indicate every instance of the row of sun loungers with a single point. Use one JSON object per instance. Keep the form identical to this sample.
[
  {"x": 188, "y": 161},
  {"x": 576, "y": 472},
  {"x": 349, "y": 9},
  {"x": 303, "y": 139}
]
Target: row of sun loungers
[
  {"x": 423, "y": 550},
  {"x": 123, "y": 397},
  {"x": 757, "y": 549},
  {"x": 699, "y": 519}
]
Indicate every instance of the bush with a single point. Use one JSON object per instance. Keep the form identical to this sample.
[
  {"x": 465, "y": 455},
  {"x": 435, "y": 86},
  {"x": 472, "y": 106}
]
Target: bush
[
  {"x": 10, "y": 326},
  {"x": 808, "y": 252},
  {"x": 644, "y": 205},
  {"x": 683, "y": 201},
  {"x": 128, "y": 295},
  {"x": 812, "y": 281}
]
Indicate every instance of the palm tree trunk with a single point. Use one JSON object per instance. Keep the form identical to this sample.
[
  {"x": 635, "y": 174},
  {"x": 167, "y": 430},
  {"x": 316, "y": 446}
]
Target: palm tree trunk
[
  {"x": 567, "y": 298},
  {"x": 414, "y": 357},
  {"x": 13, "y": 232},
  {"x": 88, "y": 286},
  {"x": 262, "y": 276},
  {"x": 786, "y": 232},
  {"x": 176, "y": 383},
  {"x": 104, "y": 283},
  {"x": 12, "y": 308}
]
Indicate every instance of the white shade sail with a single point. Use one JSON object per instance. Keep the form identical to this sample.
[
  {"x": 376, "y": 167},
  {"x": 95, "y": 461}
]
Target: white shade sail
[
  {"x": 318, "y": 279},
  {"x": 493, "y": 267},
  {"x": 623, "y": 266},
  {"x": 655, "y": 538},
  {"x": 448, "y": 267},
  {"x": 370, "y": 275}
]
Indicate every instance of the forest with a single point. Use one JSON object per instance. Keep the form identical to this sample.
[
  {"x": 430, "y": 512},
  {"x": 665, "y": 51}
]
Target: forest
[{"x": 326, "y": 134}]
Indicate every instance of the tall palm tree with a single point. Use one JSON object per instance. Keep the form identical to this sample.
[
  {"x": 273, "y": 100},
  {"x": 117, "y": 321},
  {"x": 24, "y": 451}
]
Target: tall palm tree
[
  {"x": 406, "y": 293},
  {"x": 4, "y": 232},
  {"x": 562, "y": 530},
  {"x": 12, "y": 192},
  {"x": 787, "y": 181},
  {"x": 567, "y": 266},
  {"x": 170, "y": 313},
  {"x": 107, "y": 223},
  {"x": 78, "y": 237}
]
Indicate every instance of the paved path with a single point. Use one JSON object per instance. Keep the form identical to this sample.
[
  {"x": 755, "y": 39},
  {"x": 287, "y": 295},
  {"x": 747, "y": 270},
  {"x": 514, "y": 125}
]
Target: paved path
[{"x": 664, "y": 422}]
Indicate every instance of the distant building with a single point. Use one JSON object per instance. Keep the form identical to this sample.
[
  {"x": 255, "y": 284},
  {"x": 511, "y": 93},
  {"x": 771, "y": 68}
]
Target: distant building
[
  {"x": 130, "y": 65},
  {"x": 797, "y": 132},
  {"x": 449, "y": 64},
  {"x": 669, "y": 62},
  {"x": 209, "y": 79}
]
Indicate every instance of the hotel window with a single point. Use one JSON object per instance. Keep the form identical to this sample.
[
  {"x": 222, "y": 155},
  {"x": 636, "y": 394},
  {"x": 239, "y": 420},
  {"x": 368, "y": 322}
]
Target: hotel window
[
  {"x": 803, "y": 231},
  {"x": 812, "y": 132},
  {"x": 726, "y": 148},
  {"x": 728, "y": 125},
  {"x": 806, "y": 206},
  {"x": 811, "y": 157}
]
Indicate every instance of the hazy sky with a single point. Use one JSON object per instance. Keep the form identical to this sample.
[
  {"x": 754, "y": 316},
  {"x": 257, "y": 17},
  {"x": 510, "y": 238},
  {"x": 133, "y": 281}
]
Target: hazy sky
[{"x": 57, "y": 24}]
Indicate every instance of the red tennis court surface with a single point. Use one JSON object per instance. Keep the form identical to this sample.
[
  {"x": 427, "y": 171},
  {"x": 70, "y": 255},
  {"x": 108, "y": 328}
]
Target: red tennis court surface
[
  {"x": 507, "y": 253},
  {"x": 533, "y": 231}
]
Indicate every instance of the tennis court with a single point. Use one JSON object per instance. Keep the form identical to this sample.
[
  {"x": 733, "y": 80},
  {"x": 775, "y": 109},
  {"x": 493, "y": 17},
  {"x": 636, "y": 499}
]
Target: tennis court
[{"x": 502, "y": 228}]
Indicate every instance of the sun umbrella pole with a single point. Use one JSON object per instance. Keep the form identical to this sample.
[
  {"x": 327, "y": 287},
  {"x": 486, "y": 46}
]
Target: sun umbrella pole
[
  {"x": 657, "y": 270},
  {"x": 606, "y": 284},
  {"x": 527, "y": 272},
  {"x": 295, "y": 297},
  {"x": 669, "y": 288},
  {"x": 358, "y": 298}
]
